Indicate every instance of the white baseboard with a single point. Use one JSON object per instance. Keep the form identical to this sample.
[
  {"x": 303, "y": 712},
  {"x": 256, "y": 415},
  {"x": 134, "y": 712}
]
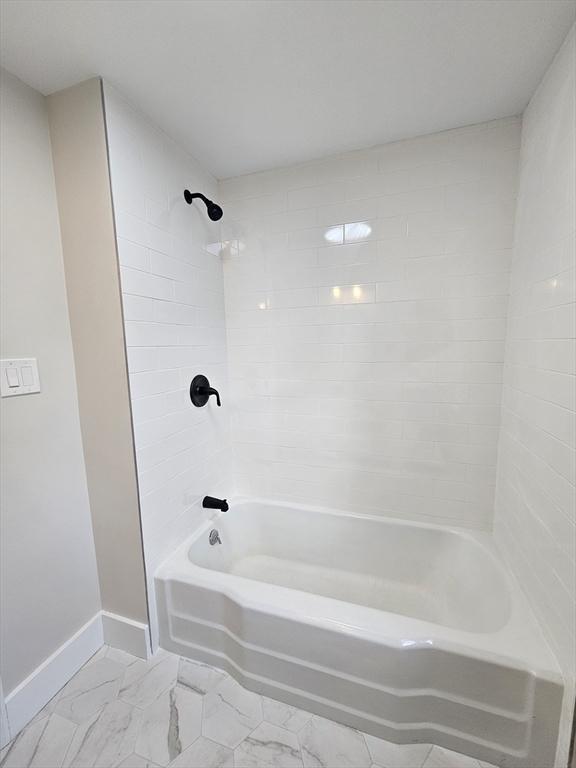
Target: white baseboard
[
  {"x": 27, "y": 699},
  {"x": 126, "y": 634},
  {"x": 33, "y": 693}
]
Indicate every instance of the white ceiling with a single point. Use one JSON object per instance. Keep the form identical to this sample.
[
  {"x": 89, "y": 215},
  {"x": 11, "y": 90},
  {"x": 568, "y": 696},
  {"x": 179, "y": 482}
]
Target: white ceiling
[{"x": 246, "y": 85}]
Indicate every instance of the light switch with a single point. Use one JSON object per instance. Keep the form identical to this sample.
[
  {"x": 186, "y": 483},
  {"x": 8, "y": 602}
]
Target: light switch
[
  {"x": 19, "y": 377},
  {"x": 27, "y": 375},
  {"x": 12, "y": 376}
]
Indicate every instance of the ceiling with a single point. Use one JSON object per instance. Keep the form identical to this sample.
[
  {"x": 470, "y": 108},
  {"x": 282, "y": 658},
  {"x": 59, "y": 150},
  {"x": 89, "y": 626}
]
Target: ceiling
[{"x": 246, "y": 85}]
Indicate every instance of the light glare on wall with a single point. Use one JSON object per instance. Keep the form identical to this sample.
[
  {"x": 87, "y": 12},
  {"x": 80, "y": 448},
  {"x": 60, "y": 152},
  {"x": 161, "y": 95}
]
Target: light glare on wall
[
  {"x": 336, "y": 292},
  {"x": 349, "y": 233},
  {"x": 357, "y": 292},
  {"x": 358, "y": 230},
  {"x": 334, "y": 235}
]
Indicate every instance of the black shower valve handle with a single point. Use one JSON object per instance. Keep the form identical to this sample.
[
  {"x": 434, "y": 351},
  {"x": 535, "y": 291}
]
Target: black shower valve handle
[
  {"x": 201, "y": 391},
  {"x": 211, "y": 391}
]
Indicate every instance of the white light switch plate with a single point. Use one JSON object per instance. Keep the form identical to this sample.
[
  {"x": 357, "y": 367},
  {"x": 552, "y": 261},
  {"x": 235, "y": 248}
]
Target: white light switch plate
[{"x": 19, "y": 377}]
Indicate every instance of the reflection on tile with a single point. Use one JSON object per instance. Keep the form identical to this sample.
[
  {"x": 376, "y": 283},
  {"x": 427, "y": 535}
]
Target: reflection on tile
[
  {"x": 170, "y": 725},
  {"x": 107, "y": 739},
  {"x": 391, "y": 755},
  {"x": 94, "y": 686},
  {"x": 446, "y": 758},
  {"x": 230, "y": 713},
  {"x": 146, "y": 680},
  {"x": 199, "y": 678},
  {"x": 44, "y": 743},
  {"x": 326, "y": 744},
  {"x": 347, "y": 294},
  {"x": 205, "y": 753},
  {"x": 357, "y": 230},
  {"x": 268, "y": 747},
  {"x": 278, "y": 713}
]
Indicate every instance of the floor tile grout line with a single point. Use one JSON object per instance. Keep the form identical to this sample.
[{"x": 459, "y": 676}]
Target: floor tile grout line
[{"x": 69, "y": 747}]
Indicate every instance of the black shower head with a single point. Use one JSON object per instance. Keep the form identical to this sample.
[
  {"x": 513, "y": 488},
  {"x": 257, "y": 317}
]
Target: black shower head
[{"x": 214, "y": 211}]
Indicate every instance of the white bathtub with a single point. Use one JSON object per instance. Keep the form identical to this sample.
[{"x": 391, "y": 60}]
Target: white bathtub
[{"x": 410, "y": 632}]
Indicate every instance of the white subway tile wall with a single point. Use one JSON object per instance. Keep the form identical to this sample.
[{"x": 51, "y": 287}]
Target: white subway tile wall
[
  {"x": 535, "y": 521},
  {"x": 172, "y": 292},
  {"x": 366, "y": 302}
]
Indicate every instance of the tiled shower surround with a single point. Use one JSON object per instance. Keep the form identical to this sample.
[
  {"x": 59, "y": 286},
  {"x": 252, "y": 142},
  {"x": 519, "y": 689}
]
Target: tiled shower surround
[
  {"x": 535, "y": 504},
  {"x": 366, "y": 300},
  {"x": 172, "y": 294}
]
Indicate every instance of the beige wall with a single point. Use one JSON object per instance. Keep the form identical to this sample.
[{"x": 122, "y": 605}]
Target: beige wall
[
  {"x": 48, "y": 578},
  {"x": 83, "y": 187}
]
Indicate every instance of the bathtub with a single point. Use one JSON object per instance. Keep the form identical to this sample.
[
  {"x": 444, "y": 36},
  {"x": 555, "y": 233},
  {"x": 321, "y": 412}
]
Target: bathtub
[{"x": 410, "y": 632}]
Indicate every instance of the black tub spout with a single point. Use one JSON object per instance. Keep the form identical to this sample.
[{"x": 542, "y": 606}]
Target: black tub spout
[{"x": 209, "y": 502}]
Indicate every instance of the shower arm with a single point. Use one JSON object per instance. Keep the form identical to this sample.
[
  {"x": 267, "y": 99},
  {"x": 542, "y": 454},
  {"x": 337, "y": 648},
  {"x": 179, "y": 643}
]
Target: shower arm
[{"x": 189, "y": 196}]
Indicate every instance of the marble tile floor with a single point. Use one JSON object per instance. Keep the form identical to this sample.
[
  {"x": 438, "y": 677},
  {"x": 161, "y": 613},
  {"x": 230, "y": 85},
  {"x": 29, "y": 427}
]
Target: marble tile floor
[{"x": 121, "y": 711}]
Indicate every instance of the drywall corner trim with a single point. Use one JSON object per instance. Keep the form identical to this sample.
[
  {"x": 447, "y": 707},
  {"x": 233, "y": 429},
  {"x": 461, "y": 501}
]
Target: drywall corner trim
[
  {"x": 33, "y": 693},
  {"x": 126, "y": 634}
]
